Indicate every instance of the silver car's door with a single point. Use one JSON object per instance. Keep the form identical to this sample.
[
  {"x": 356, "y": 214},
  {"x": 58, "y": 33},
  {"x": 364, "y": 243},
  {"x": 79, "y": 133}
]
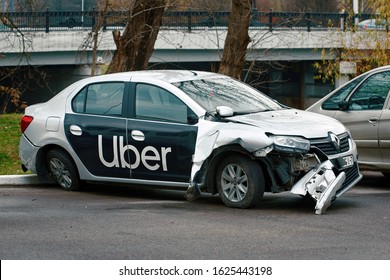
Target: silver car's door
[
  {"x": 364, "y": 129},
  {"x": 363, "y": 113},
  {"x": 384, "y": 137}
]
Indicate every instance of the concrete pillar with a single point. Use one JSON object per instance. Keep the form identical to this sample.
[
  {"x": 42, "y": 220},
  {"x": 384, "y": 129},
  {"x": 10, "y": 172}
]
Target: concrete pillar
[{"x": 346, "y": 68}]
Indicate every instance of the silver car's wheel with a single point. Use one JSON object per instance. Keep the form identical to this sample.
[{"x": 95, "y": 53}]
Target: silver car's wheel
[
  {"x": 240, "y": 182},
  {"x": 63, "y": 170}
]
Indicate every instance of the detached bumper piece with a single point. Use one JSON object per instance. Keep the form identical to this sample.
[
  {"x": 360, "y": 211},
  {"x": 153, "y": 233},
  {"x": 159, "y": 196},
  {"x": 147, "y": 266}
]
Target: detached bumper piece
[{"x": 322, "y": 184}]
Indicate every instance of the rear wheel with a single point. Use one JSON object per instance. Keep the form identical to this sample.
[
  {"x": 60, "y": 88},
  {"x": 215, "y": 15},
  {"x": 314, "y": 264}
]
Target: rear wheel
[
  {"x": 240, "y": 182},
  {"x": 63, "y": 170}
]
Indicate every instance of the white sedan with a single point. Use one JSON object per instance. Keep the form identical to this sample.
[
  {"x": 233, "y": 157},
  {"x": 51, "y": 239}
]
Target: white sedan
[{"x": 201, "y": 131}]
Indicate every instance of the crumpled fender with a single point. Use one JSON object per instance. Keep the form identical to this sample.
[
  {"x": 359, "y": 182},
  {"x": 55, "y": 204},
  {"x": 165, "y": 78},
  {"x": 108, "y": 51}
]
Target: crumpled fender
[
  {"x": 322, "y": 184},
  {"x": 212, "y": 135}
]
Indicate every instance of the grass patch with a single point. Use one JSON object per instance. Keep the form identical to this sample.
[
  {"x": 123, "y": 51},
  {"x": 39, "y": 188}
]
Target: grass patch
[{"x": 9, "y": 144}]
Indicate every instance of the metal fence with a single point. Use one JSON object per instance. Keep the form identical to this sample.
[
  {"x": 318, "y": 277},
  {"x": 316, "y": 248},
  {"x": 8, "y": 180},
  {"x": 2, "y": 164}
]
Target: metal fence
[{"x": 186, "y": 20}]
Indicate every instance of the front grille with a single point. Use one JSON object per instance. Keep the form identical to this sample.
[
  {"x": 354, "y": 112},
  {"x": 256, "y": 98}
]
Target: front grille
[
  {"x": 351, "y": 175},
  {"x": 328, "y": 147}
]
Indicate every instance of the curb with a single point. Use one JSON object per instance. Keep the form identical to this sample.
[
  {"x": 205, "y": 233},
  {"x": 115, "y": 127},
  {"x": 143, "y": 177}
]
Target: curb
[{"x": 31, "y": 179}]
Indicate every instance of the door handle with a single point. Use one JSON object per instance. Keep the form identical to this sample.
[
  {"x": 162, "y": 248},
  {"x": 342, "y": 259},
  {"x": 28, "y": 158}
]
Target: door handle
[
  {"x": 137, "y": 135},
  {"x": 75, "y": 130},
  {"x": 373, "y": 120}
]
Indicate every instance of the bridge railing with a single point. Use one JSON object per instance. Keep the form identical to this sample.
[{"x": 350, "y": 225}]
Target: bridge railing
[{"x": 186, "y": 20}]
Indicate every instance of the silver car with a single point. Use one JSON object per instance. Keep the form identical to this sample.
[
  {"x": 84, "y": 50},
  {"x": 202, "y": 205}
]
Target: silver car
[
  {"x": 362, "y": 105},
  {"x": 200, "y": 131}
]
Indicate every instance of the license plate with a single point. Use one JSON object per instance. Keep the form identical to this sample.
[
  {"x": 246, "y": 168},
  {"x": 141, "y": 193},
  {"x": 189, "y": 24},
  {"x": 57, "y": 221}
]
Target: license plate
[{"x": 346, "y": 162}]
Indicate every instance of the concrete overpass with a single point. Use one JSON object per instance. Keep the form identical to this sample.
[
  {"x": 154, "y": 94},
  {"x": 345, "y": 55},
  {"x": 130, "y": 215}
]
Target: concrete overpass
[{"x": 72, "y": 47}]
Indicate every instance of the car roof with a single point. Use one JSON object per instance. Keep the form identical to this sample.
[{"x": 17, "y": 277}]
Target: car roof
[
  {"x": 152, "y": 76},
  {"x": 378, "y": 69},
  {"x": 170, "y": 76},
  {"x": 381, "y": 68},
  {"x": 367, "y": 73}
]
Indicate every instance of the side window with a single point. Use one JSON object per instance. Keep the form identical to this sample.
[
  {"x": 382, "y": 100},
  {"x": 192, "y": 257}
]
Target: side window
[
  {"x": 371, "y": 95},
  {"x": 100, "y": 99},
  {"x": 78, "y": 103},
  {"x": 332, "y": 103},
  {"x": 154, "y": 103}
]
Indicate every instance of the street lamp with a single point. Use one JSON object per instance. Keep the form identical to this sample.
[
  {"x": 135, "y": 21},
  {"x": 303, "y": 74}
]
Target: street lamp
[
  {"x": 82, "y": 11},
  {"x": 356, "y": 11}
]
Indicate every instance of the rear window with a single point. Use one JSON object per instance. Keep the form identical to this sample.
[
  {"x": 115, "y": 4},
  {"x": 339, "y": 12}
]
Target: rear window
[{"x": 100, "y": 99}]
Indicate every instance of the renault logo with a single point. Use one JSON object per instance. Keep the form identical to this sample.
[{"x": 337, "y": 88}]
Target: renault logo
[{"x": 335, "y": 140}]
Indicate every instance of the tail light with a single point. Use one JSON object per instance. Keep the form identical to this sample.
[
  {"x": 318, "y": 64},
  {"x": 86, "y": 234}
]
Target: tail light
[{"x": 25, "y": 122}]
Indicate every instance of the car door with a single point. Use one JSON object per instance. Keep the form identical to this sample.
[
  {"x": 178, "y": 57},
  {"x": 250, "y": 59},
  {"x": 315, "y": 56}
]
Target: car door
[
  {"x": 363, "y": 116},
  {"x": 96, "y": 129},
  {"x": 161, "y": 135},
  {"x": 384, "y": 136}
]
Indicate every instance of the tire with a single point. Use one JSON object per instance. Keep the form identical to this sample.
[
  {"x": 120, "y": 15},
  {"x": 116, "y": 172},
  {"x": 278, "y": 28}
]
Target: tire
[
  {"x": 240, "y": 182},
  {"x": 63, "y": 170}
]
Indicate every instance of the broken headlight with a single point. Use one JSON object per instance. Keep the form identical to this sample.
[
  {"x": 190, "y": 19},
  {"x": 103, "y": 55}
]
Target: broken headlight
[{"x": 290, "y": 144}]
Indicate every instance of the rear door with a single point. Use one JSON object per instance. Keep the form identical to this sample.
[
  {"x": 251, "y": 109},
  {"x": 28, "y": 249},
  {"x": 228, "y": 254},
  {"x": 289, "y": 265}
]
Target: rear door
[
  {"x": 96, "y": 129},
  {"x": 161, "y": 135}
]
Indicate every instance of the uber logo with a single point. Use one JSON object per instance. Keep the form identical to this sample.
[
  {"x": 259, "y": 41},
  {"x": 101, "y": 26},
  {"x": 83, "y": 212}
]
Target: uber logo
[{"x": 150, "y": 157}]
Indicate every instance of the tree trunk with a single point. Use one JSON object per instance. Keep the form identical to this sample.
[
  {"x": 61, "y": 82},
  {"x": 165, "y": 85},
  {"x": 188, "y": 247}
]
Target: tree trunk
[
  {"x": 237, "y": 39},
  {"x": 136, "y": 45}
]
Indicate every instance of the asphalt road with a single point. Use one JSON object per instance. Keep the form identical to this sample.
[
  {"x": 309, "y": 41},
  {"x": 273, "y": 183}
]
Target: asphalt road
[{"x": 122, "y": 223}]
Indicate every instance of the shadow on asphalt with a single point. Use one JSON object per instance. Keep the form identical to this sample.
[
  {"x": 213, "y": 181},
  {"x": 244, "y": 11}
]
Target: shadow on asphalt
[
  {"x": 374, "y": 180},
  {"x": 157, "y": 197}
]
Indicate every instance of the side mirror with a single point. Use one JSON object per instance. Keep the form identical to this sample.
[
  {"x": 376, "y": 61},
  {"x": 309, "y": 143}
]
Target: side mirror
[
  {"x": 224, "y": 111},
  {"x": 192, "y": 118},
  {"x": 343, "y": 105}
]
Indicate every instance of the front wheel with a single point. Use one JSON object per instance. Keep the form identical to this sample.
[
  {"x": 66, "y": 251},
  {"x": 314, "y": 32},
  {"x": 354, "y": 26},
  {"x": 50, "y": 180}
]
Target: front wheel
[
  {"x": 63, "y": 170},
  {"x": 240, "y": 182}
]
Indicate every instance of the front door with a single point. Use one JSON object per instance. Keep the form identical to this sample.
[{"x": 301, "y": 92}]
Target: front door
[
  {"x": 161, "y": 141},
  {"x": 364, "y": 113}
]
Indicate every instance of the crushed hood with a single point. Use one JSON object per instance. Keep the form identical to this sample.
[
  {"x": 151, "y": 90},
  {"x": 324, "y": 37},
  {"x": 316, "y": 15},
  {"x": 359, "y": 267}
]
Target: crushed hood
[
  {"x": 292, "y": 122},
  {"x": 250, "y": 131}
]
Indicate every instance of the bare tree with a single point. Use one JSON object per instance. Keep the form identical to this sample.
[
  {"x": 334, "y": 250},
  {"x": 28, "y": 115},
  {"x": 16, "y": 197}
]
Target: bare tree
[
  {"x": 15, "y": 80},
  {"x": 135, "y": 46},
  {"x": 237, "y": 39}
]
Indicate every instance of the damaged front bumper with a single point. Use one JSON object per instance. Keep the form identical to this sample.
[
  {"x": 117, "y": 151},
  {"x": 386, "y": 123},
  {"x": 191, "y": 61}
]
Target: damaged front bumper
[{"x": 322, "y": 184}]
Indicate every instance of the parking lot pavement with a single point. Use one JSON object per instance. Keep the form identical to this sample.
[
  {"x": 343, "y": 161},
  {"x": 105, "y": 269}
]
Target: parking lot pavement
[{"x": 29, "y": 179}]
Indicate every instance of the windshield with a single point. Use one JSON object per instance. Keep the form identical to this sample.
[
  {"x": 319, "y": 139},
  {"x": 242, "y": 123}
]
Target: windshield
[{"x": 224, "y": 91}]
